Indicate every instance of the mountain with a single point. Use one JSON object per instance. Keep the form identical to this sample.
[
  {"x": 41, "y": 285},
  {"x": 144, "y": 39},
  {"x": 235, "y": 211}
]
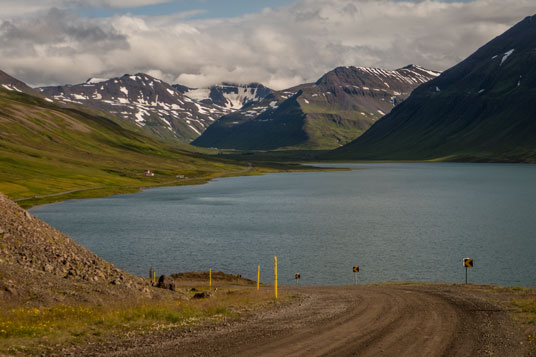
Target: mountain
[
  {"x": 227, "y": 95},
  {"x": 336, "y": 109},
  {"x": 482, "y": 109},
  {"x": 12, "y": 84},
  {"x": 164, "y": 110},
  {"x": 47, "y": 148}
]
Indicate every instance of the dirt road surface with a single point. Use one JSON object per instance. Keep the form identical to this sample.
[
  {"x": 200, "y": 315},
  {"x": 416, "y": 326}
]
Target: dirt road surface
[{"x": 390, "y": 320}]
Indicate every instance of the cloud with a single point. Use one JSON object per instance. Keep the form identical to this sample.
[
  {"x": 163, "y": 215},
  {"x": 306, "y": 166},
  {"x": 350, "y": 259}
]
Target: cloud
[
  {"x": 17, "y": 8},
  {"x": 279, "y": 47}
]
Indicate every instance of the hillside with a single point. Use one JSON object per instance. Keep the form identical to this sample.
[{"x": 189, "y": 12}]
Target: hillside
[
  {"x": 336, "y": 109},
  {"x": 482, "y": 109},
  {"x": 10, "y": 83},
  {"x": 46, "y": 149},
  {"x": 41, "y": 265}
]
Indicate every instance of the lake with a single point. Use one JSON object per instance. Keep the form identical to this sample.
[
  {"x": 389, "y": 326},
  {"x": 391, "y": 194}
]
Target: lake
[{"x": 398, "y": 222}]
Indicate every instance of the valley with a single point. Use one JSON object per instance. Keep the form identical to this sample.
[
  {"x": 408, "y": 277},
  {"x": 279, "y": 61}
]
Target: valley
[
  {"x": 300, "y": 188},
  {"x": 47, "y": 149}
]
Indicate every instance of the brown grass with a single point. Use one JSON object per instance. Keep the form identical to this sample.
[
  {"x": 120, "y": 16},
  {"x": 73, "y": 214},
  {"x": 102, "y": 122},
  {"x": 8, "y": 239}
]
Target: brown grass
[{"x": 37, "y": 330}]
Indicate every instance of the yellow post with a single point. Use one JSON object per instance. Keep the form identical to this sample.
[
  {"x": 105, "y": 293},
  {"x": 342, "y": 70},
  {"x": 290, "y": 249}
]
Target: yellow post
[
  {"x": 154, "y": 277},
  {"x": 210, "y": 278},
  {"x": 258, "y": 276},
  {"x": 275, "y": 274}
]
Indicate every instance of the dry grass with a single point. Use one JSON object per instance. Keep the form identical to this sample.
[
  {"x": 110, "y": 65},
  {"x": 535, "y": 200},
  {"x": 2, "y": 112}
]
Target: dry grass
[
  {"x": 26, "y": 330},
  {"x": 519, "y": 301}
]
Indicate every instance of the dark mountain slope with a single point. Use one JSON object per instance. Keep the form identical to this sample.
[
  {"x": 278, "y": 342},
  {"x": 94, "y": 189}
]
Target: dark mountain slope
[
  {"x": 335, "y": 110},
  {"x": 482, "y": 109},
  {"x": 12, "y": 84}
]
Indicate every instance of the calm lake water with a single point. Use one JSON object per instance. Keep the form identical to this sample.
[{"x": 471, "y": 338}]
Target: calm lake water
[{"x": 398, "y": 222}]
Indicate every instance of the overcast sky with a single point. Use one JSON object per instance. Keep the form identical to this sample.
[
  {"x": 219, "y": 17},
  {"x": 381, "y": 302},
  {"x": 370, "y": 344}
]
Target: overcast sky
[{"x": 279, "y": 43}]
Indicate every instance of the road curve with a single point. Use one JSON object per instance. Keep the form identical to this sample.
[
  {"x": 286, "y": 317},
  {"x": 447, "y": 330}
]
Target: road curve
[{"x": 392, "y": 320}]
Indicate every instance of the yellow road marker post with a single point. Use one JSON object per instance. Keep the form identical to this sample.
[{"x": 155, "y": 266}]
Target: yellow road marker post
[
  {"x": 275, "y": 276},
  {"x": 297, "y": 277},
  {"x": 210, "y": 278},
  {"x": 258, "y": 276}
]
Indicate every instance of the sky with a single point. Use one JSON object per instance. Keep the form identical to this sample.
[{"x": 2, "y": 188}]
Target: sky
[{"x": 279, "y": 43}]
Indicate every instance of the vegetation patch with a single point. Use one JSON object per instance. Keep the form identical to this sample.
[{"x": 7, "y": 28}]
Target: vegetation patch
[{"x": 34, "y": 330}]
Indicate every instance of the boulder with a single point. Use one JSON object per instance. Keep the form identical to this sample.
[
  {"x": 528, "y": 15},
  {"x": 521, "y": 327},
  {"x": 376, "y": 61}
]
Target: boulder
[
  {"x": 166, "y": 282},
  {"x": 203, "y": 295}
]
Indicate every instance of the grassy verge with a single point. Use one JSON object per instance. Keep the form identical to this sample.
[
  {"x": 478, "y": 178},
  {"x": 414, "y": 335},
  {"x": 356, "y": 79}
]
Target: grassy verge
[
  {"x": 521, "y": 304},
  {"x": 25, "y": 330}
]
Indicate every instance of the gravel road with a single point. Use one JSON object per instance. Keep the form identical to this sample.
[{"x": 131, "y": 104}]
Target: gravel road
[{"x": 390, "y": 320}]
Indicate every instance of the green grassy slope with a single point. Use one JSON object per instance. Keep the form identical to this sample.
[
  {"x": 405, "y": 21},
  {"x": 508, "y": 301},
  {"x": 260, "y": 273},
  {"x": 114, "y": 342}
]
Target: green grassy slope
[
  {"x": 46, "y": 149},
  {"x": 300, "y": 122},
  {"x": 482, "y": 109}
]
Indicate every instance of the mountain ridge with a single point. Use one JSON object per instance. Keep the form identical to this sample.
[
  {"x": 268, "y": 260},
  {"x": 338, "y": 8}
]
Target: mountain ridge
[
  {"x": 479, "y": 110},
  {"x": 338, "y": 107}
]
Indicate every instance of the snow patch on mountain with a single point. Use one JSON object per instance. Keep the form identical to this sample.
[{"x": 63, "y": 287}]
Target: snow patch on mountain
[{"x": 506, "y": 55}]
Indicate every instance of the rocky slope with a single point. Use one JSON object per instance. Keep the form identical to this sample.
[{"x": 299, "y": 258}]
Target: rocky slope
[
  {"x": 482, "y": 109},
  {"x": 41, "y": 264},
  {"x": 336, "y": 109}
]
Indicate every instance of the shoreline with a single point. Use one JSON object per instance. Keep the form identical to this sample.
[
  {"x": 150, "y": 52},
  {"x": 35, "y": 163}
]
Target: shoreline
[{"x": 108, "y": 191}]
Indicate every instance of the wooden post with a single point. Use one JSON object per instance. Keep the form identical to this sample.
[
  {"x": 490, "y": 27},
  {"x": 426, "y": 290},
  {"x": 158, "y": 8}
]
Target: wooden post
[
  {"x": 275, "y": 277},
  {"x": 210, "y": 278}
]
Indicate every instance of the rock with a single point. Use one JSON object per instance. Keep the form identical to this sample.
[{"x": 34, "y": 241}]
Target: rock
[
  {"x": 48, "y": 268},
  {"x": 166, "y": 282},
  {"x": 11, "y": 290},
  {"x": 116, "y": 282},
  {"x": 203, "y": 295},
  {"x": 28, "y": 215}
]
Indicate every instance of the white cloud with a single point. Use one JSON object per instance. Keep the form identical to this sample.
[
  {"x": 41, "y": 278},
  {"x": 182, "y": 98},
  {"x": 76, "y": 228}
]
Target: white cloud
[
  {"x": 278, "y": 47},
  {"x": 131, "y": 3},
  {"x": 17, "y": 8}
]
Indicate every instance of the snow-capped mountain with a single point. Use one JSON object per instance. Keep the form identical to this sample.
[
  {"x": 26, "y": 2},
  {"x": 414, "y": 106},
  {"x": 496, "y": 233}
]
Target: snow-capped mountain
[
  {"x": 151, "y": 103},
  {"x": 12, "y": 84},
  {"x": 227, "y": 95},
  {"x": 336, "y": 109}
]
